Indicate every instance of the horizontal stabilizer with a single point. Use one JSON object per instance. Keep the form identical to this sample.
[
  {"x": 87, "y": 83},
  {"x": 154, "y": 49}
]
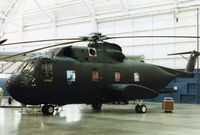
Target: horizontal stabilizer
[{"x": 131, "y": 91}]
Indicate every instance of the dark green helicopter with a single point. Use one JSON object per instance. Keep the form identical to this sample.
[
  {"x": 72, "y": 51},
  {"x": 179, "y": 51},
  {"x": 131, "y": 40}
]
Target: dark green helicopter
[{"x": 96, "y": 74}]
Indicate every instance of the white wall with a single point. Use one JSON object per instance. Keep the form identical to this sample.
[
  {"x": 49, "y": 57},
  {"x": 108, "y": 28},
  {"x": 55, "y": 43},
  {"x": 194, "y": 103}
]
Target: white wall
[
  {"x": 67, "y": 18},
  {"x": 156, "y": 49}
]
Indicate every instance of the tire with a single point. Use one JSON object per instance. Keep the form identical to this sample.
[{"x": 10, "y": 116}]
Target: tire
[
  {"x": 140, "y": 108},
  {"x": 48, "y": 109},
  {"x": 143, "y": 109},
  {"x": 10, "y": 100},
  {"x": 97, "y": 107},
  {"x": 137, "y": 108}
]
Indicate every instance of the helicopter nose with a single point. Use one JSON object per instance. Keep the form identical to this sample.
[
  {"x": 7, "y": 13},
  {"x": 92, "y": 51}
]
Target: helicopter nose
[
  {"x": 19, "y": 86},
  {"x": 13, "y": 86}
]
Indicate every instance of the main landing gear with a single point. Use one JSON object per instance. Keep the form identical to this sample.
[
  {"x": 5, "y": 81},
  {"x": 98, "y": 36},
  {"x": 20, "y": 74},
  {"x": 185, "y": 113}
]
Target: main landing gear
[
  {"x": 96, "y": 106},
  {"x": 140, "y": 107},
  {"x": 48, "y": 109}
]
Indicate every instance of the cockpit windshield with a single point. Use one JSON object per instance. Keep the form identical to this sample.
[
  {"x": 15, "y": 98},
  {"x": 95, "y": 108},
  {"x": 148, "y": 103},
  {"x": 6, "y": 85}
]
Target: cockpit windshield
[{"x": 27, "y": 66}]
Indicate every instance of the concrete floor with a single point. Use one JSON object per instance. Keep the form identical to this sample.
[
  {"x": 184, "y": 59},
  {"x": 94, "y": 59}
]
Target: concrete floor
[{"x": 113, "y": 120}]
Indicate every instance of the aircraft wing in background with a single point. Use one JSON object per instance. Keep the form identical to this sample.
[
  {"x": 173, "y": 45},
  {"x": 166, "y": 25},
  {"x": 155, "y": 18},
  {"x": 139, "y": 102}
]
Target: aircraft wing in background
[{"x": 4, "y": 53}]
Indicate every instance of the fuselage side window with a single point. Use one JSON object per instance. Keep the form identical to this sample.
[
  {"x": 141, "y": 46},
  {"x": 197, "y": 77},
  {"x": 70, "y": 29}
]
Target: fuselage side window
[
  {"x": 71, "y": 76},
  {"x": 117, "y": 76},
  {"x": 47, "y": 71},
  {"x": 136, "y": 77},
  {"x": 95, "y": 75}
]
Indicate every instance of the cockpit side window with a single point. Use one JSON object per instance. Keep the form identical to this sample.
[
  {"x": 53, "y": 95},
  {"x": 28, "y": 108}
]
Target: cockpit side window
[
  {"x": 27, "y": 66},
  {"x": 47, "y": 71}
]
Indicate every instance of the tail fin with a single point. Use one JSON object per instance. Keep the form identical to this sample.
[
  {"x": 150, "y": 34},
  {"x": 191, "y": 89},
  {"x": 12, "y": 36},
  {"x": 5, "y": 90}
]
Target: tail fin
[{"x": 192, "y": 60}]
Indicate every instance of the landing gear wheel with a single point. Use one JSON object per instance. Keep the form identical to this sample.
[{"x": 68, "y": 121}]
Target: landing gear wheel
[
  {"x": 140, "y": 108},
  {"x": 10, "y": 99},
  {"x": 97, "y": 106},
  {"x": 48, "y": 109},
  {"x": 137, "y": 107},
  {"x": 143, "y": 109}
]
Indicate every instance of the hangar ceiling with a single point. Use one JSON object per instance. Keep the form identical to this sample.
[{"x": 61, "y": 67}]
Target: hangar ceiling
[
  {"x": 35, "y": 19},
  {"x": 96, "y": 9},
  {"x": 6, "y": 8}
]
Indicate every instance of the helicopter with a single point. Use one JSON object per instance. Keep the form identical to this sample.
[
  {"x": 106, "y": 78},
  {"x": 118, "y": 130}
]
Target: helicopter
[{"x": 95, "y": 74}]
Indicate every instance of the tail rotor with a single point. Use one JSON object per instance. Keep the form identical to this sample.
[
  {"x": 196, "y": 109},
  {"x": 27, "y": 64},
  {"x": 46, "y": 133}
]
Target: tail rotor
[{"x": 192, "y": 60}]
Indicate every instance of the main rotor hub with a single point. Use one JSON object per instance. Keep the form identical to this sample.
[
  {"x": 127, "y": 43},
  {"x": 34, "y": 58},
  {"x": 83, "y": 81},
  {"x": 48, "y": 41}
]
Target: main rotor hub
[{"x": 96, "y": 37}]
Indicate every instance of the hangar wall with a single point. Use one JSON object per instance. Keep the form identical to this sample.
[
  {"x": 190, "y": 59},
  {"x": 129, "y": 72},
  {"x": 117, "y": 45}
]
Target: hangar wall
[
  {"x": 65, "y": 18},
  {"x": 68, "y": 18},
  {"x": 187, "y": 91}
]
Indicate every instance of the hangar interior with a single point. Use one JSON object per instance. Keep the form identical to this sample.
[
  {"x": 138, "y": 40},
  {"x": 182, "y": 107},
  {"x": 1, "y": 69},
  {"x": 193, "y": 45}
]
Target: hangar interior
[
  {"x": 29, "y": 20},
  {"x": 23, "y": 20}
]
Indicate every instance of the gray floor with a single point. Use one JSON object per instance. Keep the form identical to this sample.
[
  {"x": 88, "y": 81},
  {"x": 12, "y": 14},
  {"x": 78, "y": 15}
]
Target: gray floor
[{"x": 113, "y": 120}]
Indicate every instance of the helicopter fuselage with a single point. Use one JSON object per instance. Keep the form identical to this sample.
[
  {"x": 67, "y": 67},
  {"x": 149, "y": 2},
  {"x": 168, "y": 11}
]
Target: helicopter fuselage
[
  {"x": 70, "y": 81},
  {"x": 94, "y": 74}
]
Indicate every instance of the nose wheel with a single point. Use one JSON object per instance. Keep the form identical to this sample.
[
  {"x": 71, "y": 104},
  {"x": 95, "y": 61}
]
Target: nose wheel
[{"x": 48, "y": 109}]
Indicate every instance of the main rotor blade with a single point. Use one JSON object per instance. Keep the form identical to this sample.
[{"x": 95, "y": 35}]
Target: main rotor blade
[
  {"x": 189, "y": 52},
  {"x": 85, "y": 38},
  {"x": 2, "y": 41},
  {"x": 153, "y": 37},
  {"x": 42, "y": 48},
  {"x": 37, "y": 41}
]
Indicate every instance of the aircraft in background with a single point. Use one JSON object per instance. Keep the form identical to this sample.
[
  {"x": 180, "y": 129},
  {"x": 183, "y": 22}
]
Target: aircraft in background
[{"x": 1, "y": 95}]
